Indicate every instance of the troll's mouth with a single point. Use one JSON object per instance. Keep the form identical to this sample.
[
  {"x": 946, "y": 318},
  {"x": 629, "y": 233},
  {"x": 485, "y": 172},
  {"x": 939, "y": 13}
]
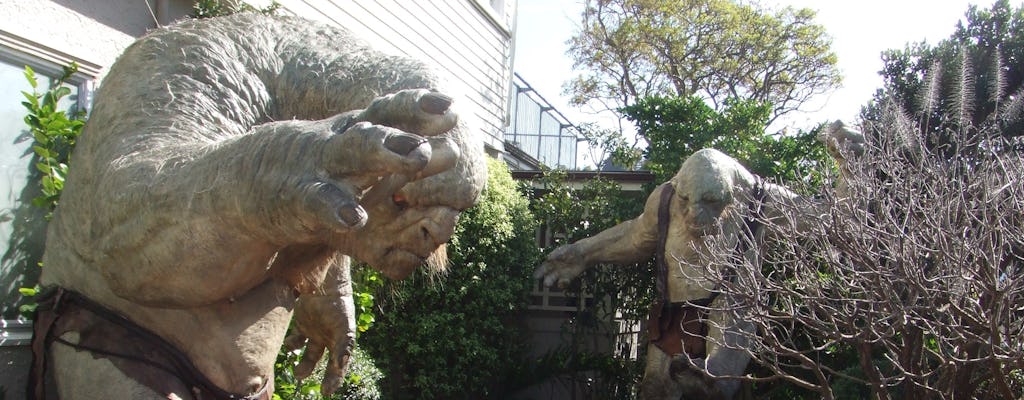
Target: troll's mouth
[
  {"x": 711, "y": 229},
  {"x": 399, "y": 263}
]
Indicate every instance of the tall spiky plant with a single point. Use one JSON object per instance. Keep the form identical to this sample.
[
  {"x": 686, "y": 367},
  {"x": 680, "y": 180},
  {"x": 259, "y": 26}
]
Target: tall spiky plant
[
  {"x": 961, "y": 105},
  {"x": 997, "y": 84},
  {"x": 928, "y": 96},
  {"x": 1012, "y": 110},
  {"x": 969, "y": 80}
]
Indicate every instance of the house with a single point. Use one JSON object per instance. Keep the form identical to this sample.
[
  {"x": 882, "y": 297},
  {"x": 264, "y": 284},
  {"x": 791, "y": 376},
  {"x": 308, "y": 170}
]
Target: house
[{"x": 468, "y": 41}]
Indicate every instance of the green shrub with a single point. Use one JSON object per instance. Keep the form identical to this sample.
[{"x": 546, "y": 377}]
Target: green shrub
[
  {"x": 454, "y": 335},
  {"x": 626, "y": 292},
  {"x": 217, "y": 8},
  {"x": 361, "y": 383},
  {"x": 55, "y": 132},
  {"x": 54, "y": 129}
]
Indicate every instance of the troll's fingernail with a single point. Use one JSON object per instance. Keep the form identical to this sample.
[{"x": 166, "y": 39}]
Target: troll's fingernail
[{"x": 435, "y": 103}]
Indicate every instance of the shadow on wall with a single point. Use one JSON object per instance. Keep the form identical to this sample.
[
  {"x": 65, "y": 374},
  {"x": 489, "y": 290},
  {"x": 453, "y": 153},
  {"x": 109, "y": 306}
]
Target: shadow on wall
[
  {"x": 131, "y": 17},
  {"x": 26, "y": 225}
]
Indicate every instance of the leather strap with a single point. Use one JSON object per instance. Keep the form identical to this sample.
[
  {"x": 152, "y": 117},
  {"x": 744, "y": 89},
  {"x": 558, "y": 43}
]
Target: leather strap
[
  {"x": 108, "y": 334},
  {"x": 45, "y": 316},
  {"x": 752, "y": 219},
  {"x": 664, "y": 216}
]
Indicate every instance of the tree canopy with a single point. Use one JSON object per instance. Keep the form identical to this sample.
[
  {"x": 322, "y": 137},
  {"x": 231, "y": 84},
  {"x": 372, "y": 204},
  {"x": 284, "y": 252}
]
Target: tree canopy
[
  {"x": 676, "y": 127},
  {"x": 715, "y": 49},
  {"x": 969, "y": 80}
]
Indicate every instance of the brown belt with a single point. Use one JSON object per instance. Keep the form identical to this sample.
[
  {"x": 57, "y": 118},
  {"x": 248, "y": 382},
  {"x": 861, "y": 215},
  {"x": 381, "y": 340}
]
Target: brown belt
[{"x": 110, "y": 335}]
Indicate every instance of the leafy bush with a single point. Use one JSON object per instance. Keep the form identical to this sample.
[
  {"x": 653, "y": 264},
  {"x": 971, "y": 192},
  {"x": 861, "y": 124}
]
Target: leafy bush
[
  {"x": 454, "y": 335},
  {"x": 363, "y": 379},
  {"x": 55, "y": 132},
  {"x": 217, "y": 8}
]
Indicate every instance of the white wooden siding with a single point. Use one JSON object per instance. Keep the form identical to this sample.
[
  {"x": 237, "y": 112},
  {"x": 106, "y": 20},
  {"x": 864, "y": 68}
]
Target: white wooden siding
[{"x": 467, "y": 41}]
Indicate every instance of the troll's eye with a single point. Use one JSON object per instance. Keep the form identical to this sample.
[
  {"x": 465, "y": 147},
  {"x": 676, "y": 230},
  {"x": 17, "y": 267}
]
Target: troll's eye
[{"x": 400, "y": 201}]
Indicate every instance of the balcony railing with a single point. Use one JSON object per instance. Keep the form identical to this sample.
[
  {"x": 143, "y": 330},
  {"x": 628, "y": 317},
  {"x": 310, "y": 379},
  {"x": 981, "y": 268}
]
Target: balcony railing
[{"x": 539, "y": 130}]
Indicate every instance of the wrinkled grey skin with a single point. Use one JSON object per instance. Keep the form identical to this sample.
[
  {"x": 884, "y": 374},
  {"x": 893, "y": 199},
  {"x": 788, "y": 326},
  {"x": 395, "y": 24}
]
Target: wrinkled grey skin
[
  {"x": 713, "y": 193},
  {"x": 229, "y": 169}
]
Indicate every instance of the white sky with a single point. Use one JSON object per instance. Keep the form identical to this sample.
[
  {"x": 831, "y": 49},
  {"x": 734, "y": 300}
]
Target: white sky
[{"x": 860, "y": 31}]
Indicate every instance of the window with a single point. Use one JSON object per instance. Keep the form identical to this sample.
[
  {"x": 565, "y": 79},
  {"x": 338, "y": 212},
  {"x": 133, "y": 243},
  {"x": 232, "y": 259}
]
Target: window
[
  {"x": 498, "y": 6},
  {"x": 495, "y": 12},
  {"x": 22, "y": 226}
]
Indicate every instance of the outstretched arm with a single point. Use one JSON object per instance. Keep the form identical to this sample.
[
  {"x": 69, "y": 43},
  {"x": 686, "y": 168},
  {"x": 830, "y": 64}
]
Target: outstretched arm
[
  {"x": 631, "y": 241},
  {"x": 785, "y": 209}
]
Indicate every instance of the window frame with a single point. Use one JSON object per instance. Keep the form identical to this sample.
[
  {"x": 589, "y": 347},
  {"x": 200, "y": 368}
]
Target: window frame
[{"x": 47, "y": 61}]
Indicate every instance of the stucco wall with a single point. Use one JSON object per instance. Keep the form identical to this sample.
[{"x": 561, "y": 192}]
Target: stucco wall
[{"x": 95, "y": 37}]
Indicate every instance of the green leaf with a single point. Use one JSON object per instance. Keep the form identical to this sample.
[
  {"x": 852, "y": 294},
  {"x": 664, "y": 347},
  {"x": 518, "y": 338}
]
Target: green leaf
[
  {"x": 56, "y": 124},
  {"x": 33, "y": 122},
  {"x": 26, "y": 291},
  {"x": 33, "y": 100},
  {"x": 43, "y": 167},
  {"x": 365, "y": 321},
  {"x": 41, "y": 202},
  {"x": 49, "y": 102},
  {"x": 27, "y": 309},
  {"x": 67, "y": 71},
  {"x": 42, "y": 152},
  {"x": 311, "y": 388},
  {"x": 58, "y": 181},
  {"x": 61, "y": 92},
  {"x": 30, "y": 76}
]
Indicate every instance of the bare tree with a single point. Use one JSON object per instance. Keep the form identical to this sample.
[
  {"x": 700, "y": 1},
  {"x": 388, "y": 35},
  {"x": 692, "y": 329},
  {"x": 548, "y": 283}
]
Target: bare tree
[{"x": 910, "y": 282}]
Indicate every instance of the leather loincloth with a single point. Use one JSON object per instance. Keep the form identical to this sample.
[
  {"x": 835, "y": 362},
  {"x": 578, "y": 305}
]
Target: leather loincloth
[
  {"x": 137, "y": 352},
  {"x": 678, "y": 328}
]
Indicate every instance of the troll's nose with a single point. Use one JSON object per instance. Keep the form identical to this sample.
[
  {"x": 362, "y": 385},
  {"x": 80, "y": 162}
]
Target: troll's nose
[{"x": 439, "y": 227}]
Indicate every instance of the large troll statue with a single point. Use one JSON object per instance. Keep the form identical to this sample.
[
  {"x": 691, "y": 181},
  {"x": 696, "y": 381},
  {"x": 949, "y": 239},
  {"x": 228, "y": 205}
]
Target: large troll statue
[
  {"x": 229, "y": 169},
  {"x": 712, "y": 203}
]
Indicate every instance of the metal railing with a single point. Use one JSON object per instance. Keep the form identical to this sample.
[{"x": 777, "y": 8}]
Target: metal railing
[{"x": 539, "y": 130}]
